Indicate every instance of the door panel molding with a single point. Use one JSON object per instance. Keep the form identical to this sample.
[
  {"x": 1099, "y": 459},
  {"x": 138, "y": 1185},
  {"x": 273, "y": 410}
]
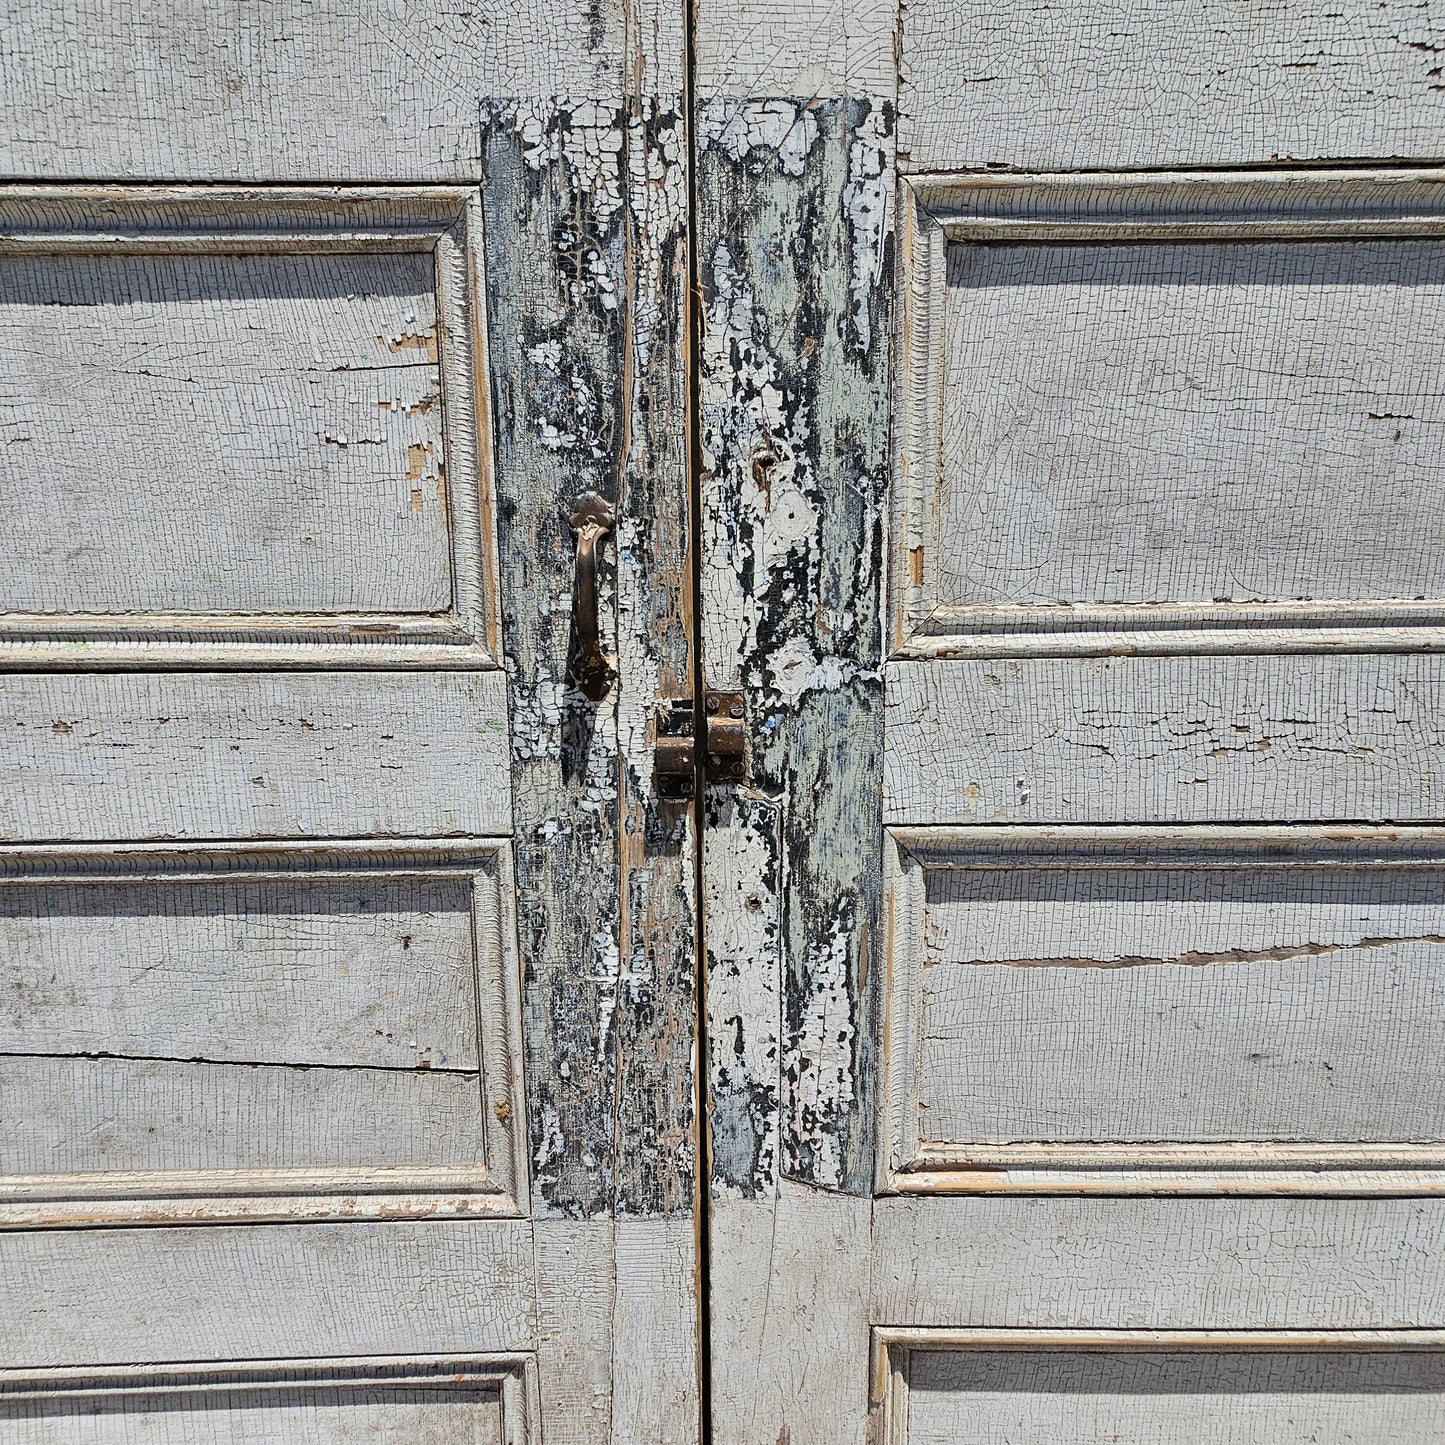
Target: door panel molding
[
  {"x": 147, "y": 271},
  {"x": 451, "y": 1387},
  {"x": 1223, "y": 975},
  {"x": 268, "y": 901},
  {"x": 1188, "y": 1353},
  {"x": 1240, "y": 250}
]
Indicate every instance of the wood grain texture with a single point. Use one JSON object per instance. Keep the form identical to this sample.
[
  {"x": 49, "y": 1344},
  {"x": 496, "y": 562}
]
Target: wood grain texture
[
  {"x": 377, "y": 973},
  {"x": 223, "y": 433},
  {"x": 287, "y": 91},
  {"x": 264, "y": 1031},
  {"x": 795, "y": 246},
  {"x": 789, "y": 1317},
  {"x": 823, "y": 49},
  {"x": 66, "y": 1115},
  {"x": 1080, "y": 85},
  {"x": 231, "y": 1293},
  {"x": 205, "y": 755},
  {"x": 1189, "y": 739},
  {"x": 573, "y": 125},
  {"x": 1137, "y": 1395},
  {"x": 428, "y": 1400},
  {"x": 1039, "y": 509},
  {"x": 304, "y": 360},
  {"x": 795, "y": 183},
  {"x": 1157, "y": 1003},
  {"x": 617, "y": 1331}
]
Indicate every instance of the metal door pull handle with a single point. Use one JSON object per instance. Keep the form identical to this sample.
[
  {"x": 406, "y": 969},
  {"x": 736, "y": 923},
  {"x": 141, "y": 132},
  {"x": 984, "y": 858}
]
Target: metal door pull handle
[{"x": 590, "y": 672}]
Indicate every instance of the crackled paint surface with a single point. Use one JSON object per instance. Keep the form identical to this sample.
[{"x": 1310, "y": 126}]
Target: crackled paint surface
[
  {"x": 585, "y": 225},
  {"x": 795, "y": 242}
]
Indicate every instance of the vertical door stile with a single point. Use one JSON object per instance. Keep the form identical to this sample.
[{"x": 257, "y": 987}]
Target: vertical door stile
[{"x": 795, "y": 175}]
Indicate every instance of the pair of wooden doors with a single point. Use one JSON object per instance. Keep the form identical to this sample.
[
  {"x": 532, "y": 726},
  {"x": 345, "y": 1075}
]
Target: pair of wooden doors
[{"x": 1051, "y": 471}]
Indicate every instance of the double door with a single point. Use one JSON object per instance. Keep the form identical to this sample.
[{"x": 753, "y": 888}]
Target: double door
[{"x": 1027, "y": 420}]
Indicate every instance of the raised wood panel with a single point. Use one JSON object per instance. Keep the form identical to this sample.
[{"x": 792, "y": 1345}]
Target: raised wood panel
[
  {"x": 292, "y": 405},
  {"x": 1197, "y": 423},
  {"x": 372, "y": 973},
  {"x": 235, "y": 415},
  {"x": 1221, "y": 1263},
  {"x": 289, "y": 1031},
  {"x": 423, "y": 1401},
  {"x": 1127, "y": 83},
  {"x": 267, "y": 755},
  {"x": 70, "y": 1115},
  {"x": 1173, "y": 403},
  {"x": 1164, "y": 739},
  {"x": 1132, "y": 1008},
  {"x": 1133, "y": 1387}
]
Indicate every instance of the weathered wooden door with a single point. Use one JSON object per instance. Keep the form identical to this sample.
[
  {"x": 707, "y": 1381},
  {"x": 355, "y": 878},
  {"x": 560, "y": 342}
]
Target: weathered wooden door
[
  {"x": 347, "y": 954},
  {"x": 1072, "y": 433}
]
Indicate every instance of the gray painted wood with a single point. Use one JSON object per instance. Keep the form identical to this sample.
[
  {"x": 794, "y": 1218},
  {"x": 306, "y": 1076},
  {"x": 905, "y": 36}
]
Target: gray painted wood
[
  {"x": 573, "y": 125},
  {"x": 372, "y": 972},
  {"x": 429, "y": 1400},
  {"x": 789, "y": 1317},
  {"x": 616, "y": 1332},
  {"x": 66, "y": 1115},
  {"x": 1071, "y": 1057},
  {"x": 222, "y": 433},
  {"x": 1135, "y": 1396},
  {"x": 1021, "y": 397},
  {"x": 175, "y": 755},
  {"x": 1059, "y": 87},
  {"x": 1172, "y": 1005},
  {"x": 1325, "y": 1264},
  {"x": 1189, "y": 739},
  {"x": 1189, "y": 423},
  {"x": 324, "y": 1417},
  {"x": 225, "y": 1292}
]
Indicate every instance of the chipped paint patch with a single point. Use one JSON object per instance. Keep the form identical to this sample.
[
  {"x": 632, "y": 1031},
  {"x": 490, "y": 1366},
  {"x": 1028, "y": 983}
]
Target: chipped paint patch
[
  {"x": 585, "y": 208},
  {"x": 796, "y": 249}
]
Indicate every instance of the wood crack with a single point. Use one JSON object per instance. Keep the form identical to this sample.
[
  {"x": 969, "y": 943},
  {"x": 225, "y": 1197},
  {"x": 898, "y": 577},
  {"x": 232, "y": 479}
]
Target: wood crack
[{"x": 1196, "y": 959}]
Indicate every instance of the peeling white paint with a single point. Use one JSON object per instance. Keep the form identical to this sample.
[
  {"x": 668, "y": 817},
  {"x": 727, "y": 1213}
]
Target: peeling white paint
[
  {"x": 738, "y": 127},
  {"x": 818, "y": 1060},
  {"x": 868, "y": 202}
]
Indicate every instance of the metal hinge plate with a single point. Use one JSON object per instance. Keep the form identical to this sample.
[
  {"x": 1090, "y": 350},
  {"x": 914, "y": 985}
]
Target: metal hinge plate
[{"x": 725, "y": 742}]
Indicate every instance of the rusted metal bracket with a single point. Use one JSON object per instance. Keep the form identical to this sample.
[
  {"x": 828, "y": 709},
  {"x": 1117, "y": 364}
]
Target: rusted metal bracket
[
  {"x": 725, "y": 742},
  {"x": 726, "y": 737},
  {"x": 674, "y": 765}
]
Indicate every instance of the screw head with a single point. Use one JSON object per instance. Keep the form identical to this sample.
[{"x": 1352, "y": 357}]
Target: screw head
[
  {"x": 712, "y": 704},
  {"x": 736, "y": 710}
]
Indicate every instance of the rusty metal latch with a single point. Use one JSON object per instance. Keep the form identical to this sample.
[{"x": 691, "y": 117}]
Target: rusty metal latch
[
  {"x": 726, "y": 736},
  {"x": 675, "y": 759},
  {"x": 725, "y": 744}
]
